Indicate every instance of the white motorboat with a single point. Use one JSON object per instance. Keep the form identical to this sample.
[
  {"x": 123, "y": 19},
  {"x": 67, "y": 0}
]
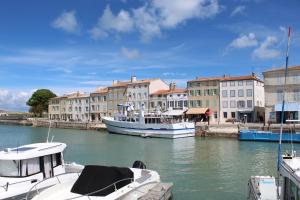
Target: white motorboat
[
  {"x": 103, "y": 183},
  {"x": 150, "y": 125},
  {"x": 24, "y": 166},
  {"x": 269, "y": 188}
]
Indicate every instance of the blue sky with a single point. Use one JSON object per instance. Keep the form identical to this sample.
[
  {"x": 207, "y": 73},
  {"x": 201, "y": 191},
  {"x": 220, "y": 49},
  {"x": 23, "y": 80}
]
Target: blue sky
[{"x": 75, "y": 45}]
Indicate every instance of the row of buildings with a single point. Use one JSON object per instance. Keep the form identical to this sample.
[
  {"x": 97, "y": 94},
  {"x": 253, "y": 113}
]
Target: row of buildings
[{"x": 219, "y": 99}]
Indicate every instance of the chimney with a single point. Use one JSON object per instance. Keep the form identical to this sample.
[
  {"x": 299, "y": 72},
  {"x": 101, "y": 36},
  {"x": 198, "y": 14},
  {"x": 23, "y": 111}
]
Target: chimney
[
  {"x": 77, "y": 93},
  {"x": 172, "y": 86},
  {"x": 115, "y": 82},
  {"x": 133, "y": 79}
]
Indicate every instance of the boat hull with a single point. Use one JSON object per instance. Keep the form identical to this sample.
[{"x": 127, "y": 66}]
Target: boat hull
[
  {"x": 178, "y": 130},
  {"x": 264, "y": 136}
]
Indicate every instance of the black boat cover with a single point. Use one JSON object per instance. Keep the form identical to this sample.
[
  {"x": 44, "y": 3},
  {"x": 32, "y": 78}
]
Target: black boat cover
[{"x": 94, "y": 178}]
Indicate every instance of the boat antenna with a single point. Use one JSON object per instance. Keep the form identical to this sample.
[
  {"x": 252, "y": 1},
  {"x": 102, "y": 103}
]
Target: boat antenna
[
  {"x": 279, "y": 158},
  {"x": 49, "y": 131},
  {"x": 283, "y": 97}
]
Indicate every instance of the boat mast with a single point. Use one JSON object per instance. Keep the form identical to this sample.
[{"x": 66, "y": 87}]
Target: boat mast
[{"x": 283, "y": 97}]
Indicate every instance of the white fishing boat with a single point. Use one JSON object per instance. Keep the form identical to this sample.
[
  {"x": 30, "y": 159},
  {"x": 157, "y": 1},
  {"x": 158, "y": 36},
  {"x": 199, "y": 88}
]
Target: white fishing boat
[
  {"x": 24, "y": 166},
  {"x": 150, "y": 125},
  {"x": 105, "y": 183}
]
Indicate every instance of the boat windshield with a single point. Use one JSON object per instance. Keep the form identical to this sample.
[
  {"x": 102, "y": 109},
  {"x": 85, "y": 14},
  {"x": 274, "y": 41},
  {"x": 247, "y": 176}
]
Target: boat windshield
[{"x": 9, "y": 168}]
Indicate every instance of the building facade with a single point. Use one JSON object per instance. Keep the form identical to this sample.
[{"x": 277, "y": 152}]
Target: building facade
[
  {"x": 98, "y": 104},
  {"x": 139, "y": 92},
  {"x": 274, "y": 88},
  {"x": 170, "y": 99},
  {"x": 204, "y": 93},
  {"x": 241, "y": 99},
  {"x": 117, "y": 95}
]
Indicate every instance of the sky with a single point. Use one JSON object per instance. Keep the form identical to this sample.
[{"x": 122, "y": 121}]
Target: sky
[{"x": 79, "y": 45}]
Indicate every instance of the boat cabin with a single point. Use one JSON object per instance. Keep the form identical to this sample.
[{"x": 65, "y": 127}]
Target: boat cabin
[{"x": 30, "y": 160}]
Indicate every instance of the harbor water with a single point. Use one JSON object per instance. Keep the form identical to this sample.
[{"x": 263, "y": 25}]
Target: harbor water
[{"x": 200, "y": 168}]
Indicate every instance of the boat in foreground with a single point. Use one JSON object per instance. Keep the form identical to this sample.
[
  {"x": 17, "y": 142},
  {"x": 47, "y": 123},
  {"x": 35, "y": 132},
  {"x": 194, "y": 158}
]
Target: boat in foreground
[
  {"x": 107, "y": 183},
  {"x": 267, "y": 136},
  {"x": 150, "y": 125},
  {"x": 267, "y": 187},
  {"x": 24, "y": 166}
]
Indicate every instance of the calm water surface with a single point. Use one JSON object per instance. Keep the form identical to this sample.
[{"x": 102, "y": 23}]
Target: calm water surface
[{"x": 200, "y": 168}]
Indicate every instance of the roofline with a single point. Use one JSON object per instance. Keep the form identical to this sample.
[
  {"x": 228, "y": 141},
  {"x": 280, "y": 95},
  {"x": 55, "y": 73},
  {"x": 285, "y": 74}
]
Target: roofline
[{"x": 282, "y": 69}]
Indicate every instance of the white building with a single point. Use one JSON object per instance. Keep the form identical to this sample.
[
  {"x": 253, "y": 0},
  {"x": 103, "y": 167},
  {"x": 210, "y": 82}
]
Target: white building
[
  {"x": 138, "y": 91},
  {"x": 241, "y": 98},
  {"x": 98, "y": 104},
  {"x": 169, "y": 99}
]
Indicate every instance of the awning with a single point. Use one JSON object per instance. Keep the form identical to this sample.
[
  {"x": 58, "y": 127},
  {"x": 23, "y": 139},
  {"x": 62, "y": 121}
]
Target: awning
[
  {"x": 288, "y": 106},
  {"x": 196, "y": 111}
]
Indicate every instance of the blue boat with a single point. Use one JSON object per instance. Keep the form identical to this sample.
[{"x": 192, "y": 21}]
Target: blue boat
[{"x": 267, "y": 136}]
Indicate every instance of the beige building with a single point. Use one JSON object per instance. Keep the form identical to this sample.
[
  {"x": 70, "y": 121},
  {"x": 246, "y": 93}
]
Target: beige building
[
  {"x": 73, "y": 107},
  {"x": 241, "y": 98},
  {"x": 117, "y": 95},
  {"x": 98, "y": 104},
  {"x": 204, "y": 93},
  {"x": 274, "y": 86}
]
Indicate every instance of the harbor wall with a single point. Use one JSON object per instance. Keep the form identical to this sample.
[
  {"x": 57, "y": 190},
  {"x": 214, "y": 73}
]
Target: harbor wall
[{"x": 202, "y": 129}]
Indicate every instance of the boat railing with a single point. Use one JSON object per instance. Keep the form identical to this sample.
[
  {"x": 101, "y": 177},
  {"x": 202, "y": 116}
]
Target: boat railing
[
  {"x": 35, "y": 188},
  {"x": 100, "y": 190},
  {"x": 6, "y": 186}
]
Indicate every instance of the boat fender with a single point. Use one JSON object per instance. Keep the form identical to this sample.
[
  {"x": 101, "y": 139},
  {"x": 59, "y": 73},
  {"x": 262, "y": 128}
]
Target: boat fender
[{"x": 139, "y": 165}]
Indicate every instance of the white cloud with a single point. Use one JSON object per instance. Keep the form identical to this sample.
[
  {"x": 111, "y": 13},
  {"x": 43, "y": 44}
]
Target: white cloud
[
  {"x": 130, "y": 53},
  {"x": 14, "y": 100},
  {"x": 244, "y": 41},
  {"x": 151, "y": 18},
  {"x": 238, "y": 10},
  {"x": 266, "y": 49},
  {"x": 122, "y": 22},
  {"x": 174, "y": 12},
  {"x": 146, "y": 23},
  {"x": 67, "y": 22}
]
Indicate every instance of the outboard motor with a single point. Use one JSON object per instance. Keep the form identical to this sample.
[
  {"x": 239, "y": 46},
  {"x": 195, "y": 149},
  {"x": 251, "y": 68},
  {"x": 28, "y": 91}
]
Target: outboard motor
[{"x": 139, "y": 165}]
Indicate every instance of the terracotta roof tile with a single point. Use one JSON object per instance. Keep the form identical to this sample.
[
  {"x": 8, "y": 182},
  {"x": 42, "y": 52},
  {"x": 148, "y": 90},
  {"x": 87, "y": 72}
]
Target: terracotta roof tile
[
  {"x": 170, "y": 91},
  {"x": 283, "y": 68}
]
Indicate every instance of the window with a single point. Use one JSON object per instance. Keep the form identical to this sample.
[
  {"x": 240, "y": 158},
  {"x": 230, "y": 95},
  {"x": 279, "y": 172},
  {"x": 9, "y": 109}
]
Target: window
[
  {"x": 215, "y": 115},
  {"x": 225, "y": 104},
  {"x": 232, "y": 114},
  {"x": 30, "y": 166},
  {"x": 198, "y": 92},
  {"x": 152, "y": 104},
  {"x": 249, "y": 92},
  {"x": 240, "y": 93},
  {"x": 86, "y": 109},
  {"x": 241, "y": 104},
  {"x": 249, "y": 103},
  {"x": 249, "y": 82},
  {"x": 86, "y": 101},
  {"x": 180, "y": 104},
  {"x": 232, "y": 83},
  {"x": 296, "y": 94},
  {"x": 240, "y": 83},
  {"x": 232, "y": 104},
  {"x": 191, "y": 92},
  {"x": 172, "y": 104},
  {"x": 225, "y": 114},
  {"x": 224, "y": 84},
  {"x": 145, "y": 95},
  {"x": 199, "y": 103},
  {"x": 232, "y": 93},
  {"x": 185, "y": 103},
  {"x": 9, "y": 168},
  {"x": 56, "y": 159},
  {"x": 279, "y": 95},
  {"x": 224, "y": 93},
  {"x": 192, "y": 104}
]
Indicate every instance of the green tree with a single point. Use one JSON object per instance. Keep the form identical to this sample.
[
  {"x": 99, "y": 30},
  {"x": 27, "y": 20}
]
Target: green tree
[{"x": 39, "y": 101}]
